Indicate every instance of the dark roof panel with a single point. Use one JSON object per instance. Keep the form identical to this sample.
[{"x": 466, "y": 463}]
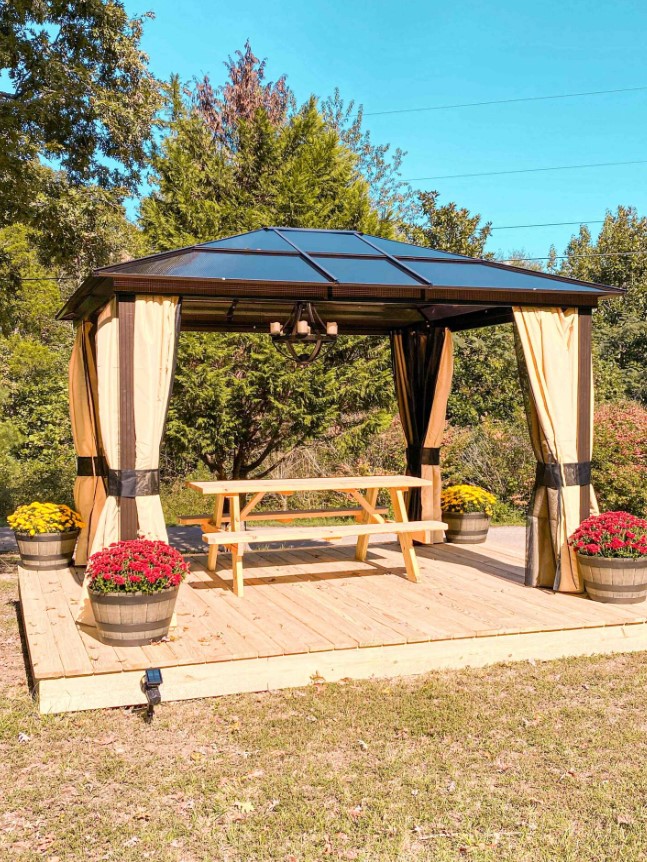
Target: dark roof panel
[
  {"x": 331, "y": 242},
  {"x": 353, "y": 270},
  {"x": 485, "y": 275},
  {"x": 406, "y": 249},
  {"x": 241, "y": 267},
  {"x": 263, "y": 240}
]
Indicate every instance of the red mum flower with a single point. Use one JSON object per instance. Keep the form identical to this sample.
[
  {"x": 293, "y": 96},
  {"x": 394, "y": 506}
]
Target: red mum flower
[{"x": 135, "y": 566}]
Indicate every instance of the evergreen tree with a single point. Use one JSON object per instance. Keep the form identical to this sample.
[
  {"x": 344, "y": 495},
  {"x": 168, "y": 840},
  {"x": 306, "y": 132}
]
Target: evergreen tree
[
  {"x": 234, "y": 159},
  {"x": 275, "y": 170}
]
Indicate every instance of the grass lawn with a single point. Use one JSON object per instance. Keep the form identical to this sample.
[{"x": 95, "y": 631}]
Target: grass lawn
[{"x": 515, "y": 762}]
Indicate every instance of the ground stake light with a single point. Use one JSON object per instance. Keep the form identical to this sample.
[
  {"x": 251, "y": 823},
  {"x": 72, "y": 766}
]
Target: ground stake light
[
  {"x": 151, "y": 683},
  {"x": 303, "y": 329}
]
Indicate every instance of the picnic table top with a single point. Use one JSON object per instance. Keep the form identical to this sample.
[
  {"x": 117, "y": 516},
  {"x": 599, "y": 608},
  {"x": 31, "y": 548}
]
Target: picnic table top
[{"x": 327, "y": 483}]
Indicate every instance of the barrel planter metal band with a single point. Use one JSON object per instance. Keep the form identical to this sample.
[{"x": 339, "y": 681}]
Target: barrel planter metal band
[
  {"x": 46, "y": 551},
  {"x": 133, "y": 619},
  {"x": 614, "y": 580},
  {"x": 466, "y": 529}
]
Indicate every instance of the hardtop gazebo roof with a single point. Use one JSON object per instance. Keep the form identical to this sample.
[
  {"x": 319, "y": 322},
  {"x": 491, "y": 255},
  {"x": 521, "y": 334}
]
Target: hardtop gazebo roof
[{"x": 368, "y": 284}]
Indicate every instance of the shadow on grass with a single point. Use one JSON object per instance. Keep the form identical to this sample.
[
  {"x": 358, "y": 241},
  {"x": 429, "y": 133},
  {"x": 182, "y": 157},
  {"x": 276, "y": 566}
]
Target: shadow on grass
[{"x": 17, "y": 607}]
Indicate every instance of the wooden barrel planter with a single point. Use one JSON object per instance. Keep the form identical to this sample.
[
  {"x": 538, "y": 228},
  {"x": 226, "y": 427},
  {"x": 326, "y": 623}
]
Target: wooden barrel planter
[
  {"x": 466, "y": 529},
  {"x": 615, "y": 580},
  {"x": 133, "y": 619},
  {"x": 46, "y": 551}
]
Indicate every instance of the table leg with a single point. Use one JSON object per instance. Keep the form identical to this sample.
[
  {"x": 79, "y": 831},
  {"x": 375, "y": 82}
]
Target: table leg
[
  {"x": 362, "y": 542},
  {"x": 212, "y": 557},
  {"x": 236, "y": 550},
  {"x": 406, "y": 542}
]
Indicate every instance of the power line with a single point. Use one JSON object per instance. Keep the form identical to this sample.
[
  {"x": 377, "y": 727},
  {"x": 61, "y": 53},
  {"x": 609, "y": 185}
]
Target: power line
[
  {"x": 526, "y": 171},
  {"x": 547, "y": 224},
  {"x": 588, "y": 254},
  {"x": 48, "y": 278},
  {"x": 503, "y": 101}
]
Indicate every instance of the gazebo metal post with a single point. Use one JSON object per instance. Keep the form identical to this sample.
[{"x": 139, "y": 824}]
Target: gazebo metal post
[
  {"x": 127, "y": 505},
  {"x": 584, "y": 386}
]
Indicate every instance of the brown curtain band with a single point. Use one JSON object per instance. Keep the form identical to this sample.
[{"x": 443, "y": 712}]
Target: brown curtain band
[
  {"x": 133, "y": 483},
  {"x": 560, "y": 475},
  {"x": 91, "y": 465},
  {"x": 428, "y": 456}
]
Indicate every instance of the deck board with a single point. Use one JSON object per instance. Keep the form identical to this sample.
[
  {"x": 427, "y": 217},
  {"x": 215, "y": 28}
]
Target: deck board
[{"x": 311, "y": 611}]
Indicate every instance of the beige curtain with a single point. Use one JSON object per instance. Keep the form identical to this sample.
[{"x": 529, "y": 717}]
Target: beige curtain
[
  {"x": 549, "y": 339},
  {"x": 107, "y": 353},
  {"x": 430, "y": 497},
  {"x": 423, "y": 366},
  {"x": 89, "y": 487},
  {"x": 155, "y": 340},
  {"x": 107, "y": 345},
  {"x": 156, "y": 326}
]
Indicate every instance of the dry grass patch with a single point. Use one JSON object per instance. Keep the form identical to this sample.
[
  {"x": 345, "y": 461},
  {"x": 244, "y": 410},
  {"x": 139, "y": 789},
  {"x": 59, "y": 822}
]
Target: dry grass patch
[{"x": 515, "y": 762}]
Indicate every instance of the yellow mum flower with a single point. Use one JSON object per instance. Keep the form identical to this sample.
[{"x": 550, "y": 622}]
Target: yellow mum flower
[
  {"x": 463, "y": 499},
  {"x": 38, "y": 518}
]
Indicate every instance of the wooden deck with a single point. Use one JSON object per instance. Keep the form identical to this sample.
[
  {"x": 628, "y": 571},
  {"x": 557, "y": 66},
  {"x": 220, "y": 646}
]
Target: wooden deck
[{"x": 319, "y": 615}]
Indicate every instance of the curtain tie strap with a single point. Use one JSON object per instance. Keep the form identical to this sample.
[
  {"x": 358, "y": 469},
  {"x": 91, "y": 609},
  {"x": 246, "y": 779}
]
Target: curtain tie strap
[
  {"x": 133, "y": 483},
  {"x": 428, "y": 456},
  {"x": 91, "y": 465},
  {"x": 559, "y": 475}
]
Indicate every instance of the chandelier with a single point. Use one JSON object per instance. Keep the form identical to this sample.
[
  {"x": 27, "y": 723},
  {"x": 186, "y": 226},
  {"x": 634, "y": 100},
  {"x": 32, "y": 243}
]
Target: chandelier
[{"x": 303, "y": 334}]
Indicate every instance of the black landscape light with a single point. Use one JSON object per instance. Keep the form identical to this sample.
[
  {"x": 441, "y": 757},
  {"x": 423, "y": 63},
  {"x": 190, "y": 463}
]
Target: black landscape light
[{"x": 151, "y": 683}]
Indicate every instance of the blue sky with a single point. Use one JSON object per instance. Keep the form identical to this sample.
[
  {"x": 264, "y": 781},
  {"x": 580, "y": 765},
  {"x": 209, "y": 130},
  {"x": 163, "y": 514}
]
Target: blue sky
[{"x": 390, "y": 56}]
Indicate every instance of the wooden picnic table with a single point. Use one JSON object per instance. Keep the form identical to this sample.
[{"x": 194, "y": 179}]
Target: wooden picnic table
[{"x": 231, "y": 530}]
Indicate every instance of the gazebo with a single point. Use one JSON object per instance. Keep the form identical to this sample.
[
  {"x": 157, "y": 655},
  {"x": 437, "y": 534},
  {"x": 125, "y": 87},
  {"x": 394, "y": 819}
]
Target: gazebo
[{"x": 128, "y": 318}]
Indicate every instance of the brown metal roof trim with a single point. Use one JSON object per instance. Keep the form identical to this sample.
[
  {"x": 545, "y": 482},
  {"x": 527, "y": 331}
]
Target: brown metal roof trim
[{"x": 383, "y": 293}]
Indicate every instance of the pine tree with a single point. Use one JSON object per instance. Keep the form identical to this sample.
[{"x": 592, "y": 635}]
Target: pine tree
[{"x": 237, "y": 158}]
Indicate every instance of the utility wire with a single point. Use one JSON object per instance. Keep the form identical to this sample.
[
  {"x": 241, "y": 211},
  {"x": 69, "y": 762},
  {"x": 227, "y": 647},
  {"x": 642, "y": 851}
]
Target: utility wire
[
  {"x": 546, "y": 224},
  {"x": 503, "y": 101},
  {"x": 45, "y": 278},
  {"x": 526, "y": 171},
  {"x": 588, "y": 254}
]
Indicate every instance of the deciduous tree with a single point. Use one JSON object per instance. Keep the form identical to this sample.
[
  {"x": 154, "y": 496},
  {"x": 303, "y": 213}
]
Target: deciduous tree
[
  {"x": 76, "y": 94},
  {"x": 619, "y": 258}
]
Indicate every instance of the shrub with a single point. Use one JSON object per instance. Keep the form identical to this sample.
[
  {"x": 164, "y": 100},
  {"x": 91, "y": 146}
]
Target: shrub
[
  {"x": 619, "y": 461},
  {"x": 612, "y": 534},
  {"x": 494, "y": 454}
]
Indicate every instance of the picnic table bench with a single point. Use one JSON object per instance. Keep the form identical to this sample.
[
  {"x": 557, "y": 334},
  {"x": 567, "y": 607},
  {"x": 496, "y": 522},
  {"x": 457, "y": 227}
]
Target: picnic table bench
[{"x": 229, "y": 530}]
